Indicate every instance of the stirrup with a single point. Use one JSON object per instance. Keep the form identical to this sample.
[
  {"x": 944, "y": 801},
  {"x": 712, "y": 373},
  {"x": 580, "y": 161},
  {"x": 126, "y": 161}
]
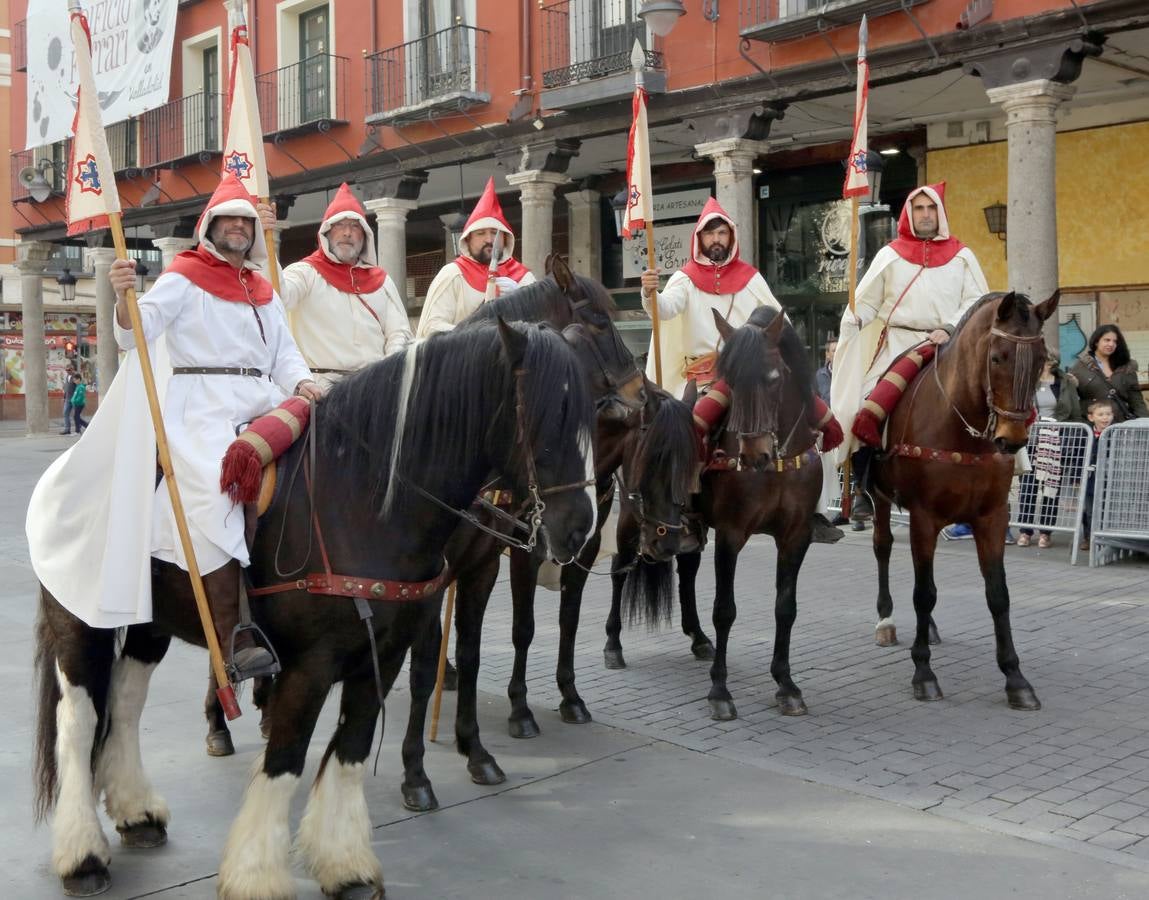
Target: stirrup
[{"x": 236, "y": 673}]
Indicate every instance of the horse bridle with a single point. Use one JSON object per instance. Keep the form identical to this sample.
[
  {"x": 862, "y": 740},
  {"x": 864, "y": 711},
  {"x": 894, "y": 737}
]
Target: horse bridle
[
  {"x": 615, "y": 384},
  {"x": 634, "y": 498},
  {"x": 1022, "y": 362},
  {"x": 780, "y": 450}
]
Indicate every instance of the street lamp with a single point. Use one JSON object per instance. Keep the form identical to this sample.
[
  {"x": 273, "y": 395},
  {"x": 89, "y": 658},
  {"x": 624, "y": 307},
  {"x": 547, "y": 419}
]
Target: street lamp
[
  {"x": 141, "y": 277},
  {"x": 67, "y": 282},
  {"x": 995, "y": 219},
  {"x": 661, "y": 16},
  {"x": 619, "y": 203}
]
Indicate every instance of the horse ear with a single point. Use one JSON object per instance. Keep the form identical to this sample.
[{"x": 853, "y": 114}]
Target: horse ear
[
  {"x": 562, "y": 272},
  {"x": 1047, "y": 307},
  {"x": 1006, "y": 306},
  {"x": 514, "y": 342},
  {"x": 690, "y": 394},
  {"x": 724, "y": 327},
  {"x": 774, "y": 329},
  {"x": 549, "y": 264}
]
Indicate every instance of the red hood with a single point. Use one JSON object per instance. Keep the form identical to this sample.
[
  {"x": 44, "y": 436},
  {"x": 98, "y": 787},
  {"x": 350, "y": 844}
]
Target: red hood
[
  {"x": 717, "y": 278},
  {"x": 937, "y": 251}
]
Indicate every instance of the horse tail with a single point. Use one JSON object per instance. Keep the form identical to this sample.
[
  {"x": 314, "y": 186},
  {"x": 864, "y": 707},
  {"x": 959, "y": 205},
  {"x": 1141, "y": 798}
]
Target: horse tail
[
  {"x": 648, "y": 593},
  {"x": 46, "y": 777}
]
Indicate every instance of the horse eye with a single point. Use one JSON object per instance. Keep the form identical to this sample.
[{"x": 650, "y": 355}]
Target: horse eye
[{"x": 994, "y": 358}]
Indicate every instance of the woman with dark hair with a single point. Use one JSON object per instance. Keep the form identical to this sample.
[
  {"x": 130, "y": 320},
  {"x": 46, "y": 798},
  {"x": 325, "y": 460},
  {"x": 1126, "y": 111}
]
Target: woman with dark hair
[{"x": 1104, "y": 371}]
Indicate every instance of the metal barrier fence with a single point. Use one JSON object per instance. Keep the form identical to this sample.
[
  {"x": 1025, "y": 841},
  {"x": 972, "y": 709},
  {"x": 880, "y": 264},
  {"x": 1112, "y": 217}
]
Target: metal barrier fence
[
  {"x": 1120, "y": 508},
  {"x": 1051, "y": 497}
]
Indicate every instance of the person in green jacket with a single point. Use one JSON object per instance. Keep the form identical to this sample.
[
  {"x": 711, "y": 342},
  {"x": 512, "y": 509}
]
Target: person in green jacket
[{"x": 79, "y": 401}]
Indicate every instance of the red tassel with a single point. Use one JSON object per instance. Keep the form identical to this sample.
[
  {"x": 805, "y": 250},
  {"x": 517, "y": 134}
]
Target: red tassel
[
  {"x": 241, "y": 473},
  {"x": 867, "y": 429}
]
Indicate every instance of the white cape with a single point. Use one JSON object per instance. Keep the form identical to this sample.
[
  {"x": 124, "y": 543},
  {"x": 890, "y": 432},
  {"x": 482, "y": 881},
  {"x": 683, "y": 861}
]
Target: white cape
[{"x": 89, "y": 523}]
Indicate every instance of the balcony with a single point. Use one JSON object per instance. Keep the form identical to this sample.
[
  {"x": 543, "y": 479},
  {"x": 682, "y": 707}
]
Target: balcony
[
  {"x": 310, "y": 95},
  {"x": 415, "y": 81},
  {"x": 586, "y": 52},
  {"x": 57, "y": 155},
  {"x": 20, "y": 46},
  {"x": 182, "y": 130},
  {"x": 123, "y": 145},
  {"x": 783, "y": 20}
]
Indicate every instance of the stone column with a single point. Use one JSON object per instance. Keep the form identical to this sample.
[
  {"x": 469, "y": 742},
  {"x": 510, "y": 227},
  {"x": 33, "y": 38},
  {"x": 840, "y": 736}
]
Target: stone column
[
  {"x": 585, "y": 233},
  {"x": 391, "y": 235},
  {"x": 33, "y": 260},
  {"x": 734, "y": 186},
  {"x": 1031, "y": 221},
  {"x": 170, "y": 247},
  {"x": 107, "y": 353},
  {"x": 537, "y": 190}
]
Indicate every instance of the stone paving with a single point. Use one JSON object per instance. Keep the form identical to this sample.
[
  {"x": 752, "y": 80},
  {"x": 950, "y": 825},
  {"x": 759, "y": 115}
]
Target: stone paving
[{"x": 1074, "y": 774}]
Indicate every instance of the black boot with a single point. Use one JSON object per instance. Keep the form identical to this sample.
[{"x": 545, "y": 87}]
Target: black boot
[
  {"x": 246, "y": 650},
  {"x": 862, "y": 508}
]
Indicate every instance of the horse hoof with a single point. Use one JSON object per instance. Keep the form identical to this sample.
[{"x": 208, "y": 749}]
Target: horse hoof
[
  {"x": 525, "y": 727},
  {"x": 935, "y": 638},
  {"x": 359, "y": 891},
  {"x": 927, "y": 690},
  {"x": 574, "y": 713},
  {"x": 486, "y": 773},
  {"x": 702, "y": 649},
  {"x": 219, "y": 744},
  {"x": 886, "y": 635},
  {"x": 419, "y": 797},
  {"x": 723, "y": 710},
  {"x": 145, "y": 835},
  {"x": 789, "y": 705},
  {"x": 90, "y": 878},
  {"x": 1022, "y": 698},
  {"x": 613, "y": 659}
]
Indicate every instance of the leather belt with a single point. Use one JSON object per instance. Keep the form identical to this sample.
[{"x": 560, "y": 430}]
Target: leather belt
[
  {"x": 217, "y": 370},
  {"x": 315, "y": 371}
]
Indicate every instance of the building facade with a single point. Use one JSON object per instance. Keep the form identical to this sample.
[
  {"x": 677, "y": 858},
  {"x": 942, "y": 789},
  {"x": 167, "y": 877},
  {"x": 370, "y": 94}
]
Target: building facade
[{"x": 1026, "y": 108}]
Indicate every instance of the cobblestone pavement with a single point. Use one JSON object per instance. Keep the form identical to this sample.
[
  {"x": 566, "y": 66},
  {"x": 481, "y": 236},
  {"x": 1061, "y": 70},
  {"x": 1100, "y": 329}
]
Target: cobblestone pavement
[{"x": 1075, "y": 774}]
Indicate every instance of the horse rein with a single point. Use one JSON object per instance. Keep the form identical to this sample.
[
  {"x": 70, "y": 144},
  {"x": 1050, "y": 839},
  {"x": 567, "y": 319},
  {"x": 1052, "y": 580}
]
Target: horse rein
[{"x": 1021, "y": 387}]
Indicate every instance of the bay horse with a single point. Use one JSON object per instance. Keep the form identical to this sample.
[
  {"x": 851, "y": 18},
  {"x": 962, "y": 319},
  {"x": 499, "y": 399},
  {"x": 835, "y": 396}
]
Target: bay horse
[
  {"x": 765, "y": 478},
  {"x": 399, "y": 448},
  {"x": 950, "y": 458}
]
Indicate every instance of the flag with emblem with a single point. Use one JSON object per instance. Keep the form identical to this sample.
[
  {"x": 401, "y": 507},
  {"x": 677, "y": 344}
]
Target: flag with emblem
[
  {"x": 243, "y": 142},
  {"x": 857, "y": 184},
  {"x": 639, "y": 211},
  {"x": 91, "y": 194}
]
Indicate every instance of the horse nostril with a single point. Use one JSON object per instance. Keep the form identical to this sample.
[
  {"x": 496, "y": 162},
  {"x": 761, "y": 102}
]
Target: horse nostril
[
  {"x": 642, "y": 395},
  {"x": 577, "y": 540}
]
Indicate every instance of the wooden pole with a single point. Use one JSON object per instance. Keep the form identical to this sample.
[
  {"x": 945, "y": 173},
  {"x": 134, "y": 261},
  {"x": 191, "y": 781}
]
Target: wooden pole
[
  {"x": 855, "y": 227},
  {"x": 448, "y": 615},
  {"x": 224, "y": 690},
  {"x": 272, "y": 256},
  {"x": 656, "y": 337}
]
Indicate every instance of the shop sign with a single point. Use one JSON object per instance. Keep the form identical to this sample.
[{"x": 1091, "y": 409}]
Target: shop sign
[
  {"x": 16, "y": 342},
  {"x": 680, "y": 204},
  {"x": 671, "y": 250}
]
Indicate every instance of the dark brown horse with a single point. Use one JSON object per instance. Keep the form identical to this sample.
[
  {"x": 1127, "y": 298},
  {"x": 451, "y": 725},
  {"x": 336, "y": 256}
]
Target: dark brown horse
[
  {"x": 400, "y": 448},
  {"x": 950, "y": 458},
  {"x": 765, "y": 480}
]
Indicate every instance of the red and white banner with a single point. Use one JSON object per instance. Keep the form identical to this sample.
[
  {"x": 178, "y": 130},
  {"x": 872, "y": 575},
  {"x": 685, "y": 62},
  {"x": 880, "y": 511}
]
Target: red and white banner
[
  {"x": 857, "y": 184},
  {"x": 243, "y": 142},
  {"x": 639, "y": 203},
  {"x": 91, "y": 186}
]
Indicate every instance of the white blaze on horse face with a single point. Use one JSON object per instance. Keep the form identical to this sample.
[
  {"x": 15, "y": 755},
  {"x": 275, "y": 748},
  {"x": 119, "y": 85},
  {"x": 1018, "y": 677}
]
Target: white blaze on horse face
[
  {"x": 586, "y": 447},
  {"x": 76, "y": 831},
  {"x": 335, "y": 833},
  {"x": 410, "y": 356},
  {"x": 129, "y": 797},
  {"x": 256, "y": 859}
]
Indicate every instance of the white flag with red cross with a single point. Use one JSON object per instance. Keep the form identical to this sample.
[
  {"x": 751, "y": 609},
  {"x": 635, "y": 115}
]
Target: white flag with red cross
[
  {"x": 639, "y": 198},
  {"x": 243, "y": 142},
  {"x": 857, "y": 184}
]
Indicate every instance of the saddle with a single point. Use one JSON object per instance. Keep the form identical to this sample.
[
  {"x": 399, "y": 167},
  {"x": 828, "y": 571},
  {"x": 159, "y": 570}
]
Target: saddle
[
  {"x": 248, "y": 471},
  {"x": 882, "y": 400}
]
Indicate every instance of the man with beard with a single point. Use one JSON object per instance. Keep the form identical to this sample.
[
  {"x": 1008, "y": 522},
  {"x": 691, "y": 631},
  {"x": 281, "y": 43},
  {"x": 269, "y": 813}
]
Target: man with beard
[
  {"x": 461, "y": 285},
  {"x": 917, "y": 289},
  {"x": 346, "y": 311},
  {"x": 715, "y": 278},
  {"x": 226, "y": 358}
]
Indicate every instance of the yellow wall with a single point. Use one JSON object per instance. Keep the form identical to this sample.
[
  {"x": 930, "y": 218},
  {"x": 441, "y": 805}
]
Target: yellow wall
[{"x": 1102, "y": 234}]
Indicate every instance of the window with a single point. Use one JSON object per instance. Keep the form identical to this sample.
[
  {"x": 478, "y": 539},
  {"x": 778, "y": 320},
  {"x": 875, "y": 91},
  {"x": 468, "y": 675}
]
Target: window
[
  {"x": 315, "y": 74},
  {"x": 210, "y": 65}
]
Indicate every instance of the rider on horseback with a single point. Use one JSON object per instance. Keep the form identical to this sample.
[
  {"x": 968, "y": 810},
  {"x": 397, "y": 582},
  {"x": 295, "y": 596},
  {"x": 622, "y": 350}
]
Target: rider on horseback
[{"x": 917, "y": 289}]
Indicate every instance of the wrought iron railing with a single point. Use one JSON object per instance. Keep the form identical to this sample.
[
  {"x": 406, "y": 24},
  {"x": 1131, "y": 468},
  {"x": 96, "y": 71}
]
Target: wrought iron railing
[
  {"x": 785, "y": 19},
  {"x": 20, "y": 46},
  {"x": 182, "y": 129},
  {"x": 123, "y": 144},
  {"x": 305, "y": 95},
  {"x": 447, "y": 64},
  {"x": 583, "y": 40}
]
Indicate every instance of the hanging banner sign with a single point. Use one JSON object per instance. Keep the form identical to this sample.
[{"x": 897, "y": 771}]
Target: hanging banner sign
[{"x": 131, "y": 57}]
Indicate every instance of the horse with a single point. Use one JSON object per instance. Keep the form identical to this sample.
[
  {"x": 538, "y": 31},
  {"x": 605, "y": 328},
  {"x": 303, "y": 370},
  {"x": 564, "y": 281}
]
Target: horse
[
  {"x": 395, "y": 451},
  {"x": 944, "y": 466},
  {"x": 763, "y": 478},
  {"x": 582, "y": 309}
]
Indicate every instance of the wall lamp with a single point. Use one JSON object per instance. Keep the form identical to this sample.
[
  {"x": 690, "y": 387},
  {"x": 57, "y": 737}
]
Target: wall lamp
[{"x": 995, "y": 220}]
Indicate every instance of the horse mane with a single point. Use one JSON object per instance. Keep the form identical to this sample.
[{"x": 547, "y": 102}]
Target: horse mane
[
  {"x": 541, "y": 300},
  {"x": 1024, "y": 307},
  {"x": 740, "y": 361},
  {"x": 461, "y": 384},
  {"x": 667, "y": 450}
]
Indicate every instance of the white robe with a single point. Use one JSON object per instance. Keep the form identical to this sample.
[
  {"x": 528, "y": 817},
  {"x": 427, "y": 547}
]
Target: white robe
[
  {"x": 450, "y": 299},
  {"x": 686, "y": 323},
  {"x": 96, "y": 516},
  {"x": 333, "y": 329},
  {"x": 938, "y": 297}
]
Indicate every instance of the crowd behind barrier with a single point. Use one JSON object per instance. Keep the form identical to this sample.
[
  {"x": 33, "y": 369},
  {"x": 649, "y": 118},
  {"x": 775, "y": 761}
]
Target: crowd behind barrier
[{"x": 1121, "y": 493}]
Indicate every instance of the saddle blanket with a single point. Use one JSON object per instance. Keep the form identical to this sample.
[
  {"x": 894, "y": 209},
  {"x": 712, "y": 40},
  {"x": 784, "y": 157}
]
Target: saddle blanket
[
  {"x": 264, "y": 441},
  {"x": 888, "y": 391}
]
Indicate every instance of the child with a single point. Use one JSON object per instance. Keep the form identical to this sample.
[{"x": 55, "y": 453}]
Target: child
[
  {"x": 79, "y": 400},
  {"x": 1100, "y": 416}
]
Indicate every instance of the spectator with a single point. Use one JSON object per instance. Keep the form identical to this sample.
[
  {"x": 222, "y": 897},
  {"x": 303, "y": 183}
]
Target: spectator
[
  {"x": 69, "y": 386},
  {"x": 825, "y": 374},
  {"x": 1056, "y": 401},
  {"x": 1101, "y": 415},
  {"x": 1104, "y": 371},
  {"x": 79, "y": 400}
]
